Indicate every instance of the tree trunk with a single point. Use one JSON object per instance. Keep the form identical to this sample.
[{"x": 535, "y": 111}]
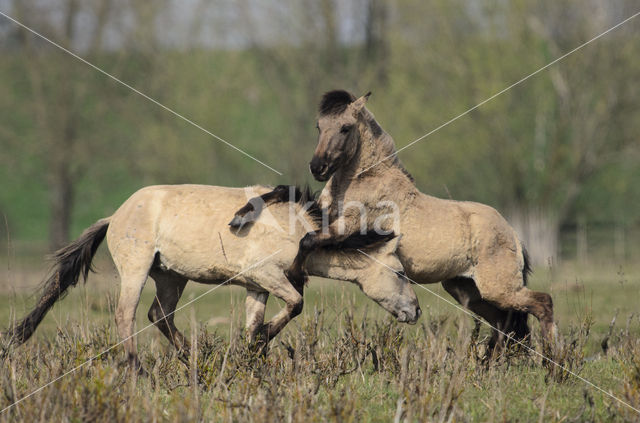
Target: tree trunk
[
  {"x": 539, "y": 230},
  {"x": 61, "y": 190},
  {"x": 376, "y": 38},
  {"x": 582, "y": 246}
]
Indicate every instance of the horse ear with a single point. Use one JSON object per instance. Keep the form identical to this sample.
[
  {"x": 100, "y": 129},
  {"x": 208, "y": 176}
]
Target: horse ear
[{"x": 359, "y": 103}]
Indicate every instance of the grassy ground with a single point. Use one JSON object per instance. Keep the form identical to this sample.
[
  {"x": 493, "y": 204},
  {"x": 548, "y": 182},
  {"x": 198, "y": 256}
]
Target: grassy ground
[{"x": 343, "y": 359}]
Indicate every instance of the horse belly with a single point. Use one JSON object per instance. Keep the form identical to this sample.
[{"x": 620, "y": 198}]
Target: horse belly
[
  {"x": 431, "y": 256},
  {"x": 192, "y": 262}
]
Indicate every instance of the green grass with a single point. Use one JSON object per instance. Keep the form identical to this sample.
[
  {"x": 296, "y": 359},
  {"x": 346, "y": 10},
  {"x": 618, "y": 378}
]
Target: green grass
[{"x": 434, "y": 370}]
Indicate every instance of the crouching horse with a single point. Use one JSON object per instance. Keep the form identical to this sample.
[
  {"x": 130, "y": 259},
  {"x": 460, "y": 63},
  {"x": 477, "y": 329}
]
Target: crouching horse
[
  {"x": 468, "y": 246},
  {"x": 176, "y": 233}
]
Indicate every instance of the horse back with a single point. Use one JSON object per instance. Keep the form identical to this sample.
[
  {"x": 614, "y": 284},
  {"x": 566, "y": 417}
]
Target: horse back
[
  {"x": 185, "y": 228},
  {"x": 446, "y": 238}
]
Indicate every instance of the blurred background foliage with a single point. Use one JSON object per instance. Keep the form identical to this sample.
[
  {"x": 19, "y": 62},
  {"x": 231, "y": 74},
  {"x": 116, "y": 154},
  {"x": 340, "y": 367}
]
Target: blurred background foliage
[{"x": 558, "y": 155}]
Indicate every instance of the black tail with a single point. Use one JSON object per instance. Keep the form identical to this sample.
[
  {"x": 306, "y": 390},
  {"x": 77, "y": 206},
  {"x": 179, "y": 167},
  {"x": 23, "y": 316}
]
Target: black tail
[
  {"x": 526, "y": 270},
  {"x": 69, "y": 263}
]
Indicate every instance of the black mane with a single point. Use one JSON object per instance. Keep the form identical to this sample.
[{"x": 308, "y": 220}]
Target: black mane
[
  {"x": 355, "y": 241},
  {"x": 335, "y": 102},
  {"x": 359, "y": 241},
  {"x": 307, "y": 199},
  {"x": 305, "y": 195}
]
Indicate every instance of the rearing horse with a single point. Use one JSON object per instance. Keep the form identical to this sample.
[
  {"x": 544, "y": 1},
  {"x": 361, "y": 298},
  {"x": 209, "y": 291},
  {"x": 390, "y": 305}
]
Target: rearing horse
[{"x": 468, "y": 246}]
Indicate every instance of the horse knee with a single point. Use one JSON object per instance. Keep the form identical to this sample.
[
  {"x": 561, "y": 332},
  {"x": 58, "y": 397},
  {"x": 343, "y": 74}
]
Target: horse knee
[
  {"x": 153, "y": 313},
  {"x": 547, "y": 301},
  {"x": 296, "y": 307},
  {"x": 307, "y": 242}
]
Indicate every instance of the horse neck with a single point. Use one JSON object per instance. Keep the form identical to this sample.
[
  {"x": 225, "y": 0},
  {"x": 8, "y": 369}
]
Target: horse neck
[
  {"x": 333, "y": 264},
  {"x": 374, "y": 148}
]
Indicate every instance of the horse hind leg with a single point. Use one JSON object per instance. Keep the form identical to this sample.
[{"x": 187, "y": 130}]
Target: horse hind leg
[
  {"x": 465, "y": 291},
  {"x": 133, "y": 277},
  {"x": 537, "y": 303},
  {"x": 509, "y": 293},
  {"x": 169, "y": 289}
]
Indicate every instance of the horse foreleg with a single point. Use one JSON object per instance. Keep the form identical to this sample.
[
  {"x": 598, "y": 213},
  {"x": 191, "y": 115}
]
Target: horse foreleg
[
  {"x": 255, "y": 304},
  {"x": 334, "y": 234},
  {"x": 282, "y": 289},
  {"x": 169, "y": 289}
]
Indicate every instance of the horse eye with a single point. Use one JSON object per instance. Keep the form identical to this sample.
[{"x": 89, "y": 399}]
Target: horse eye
[
  {"x": 401, "y": 273},
  {"x": 345, "y": 129}
]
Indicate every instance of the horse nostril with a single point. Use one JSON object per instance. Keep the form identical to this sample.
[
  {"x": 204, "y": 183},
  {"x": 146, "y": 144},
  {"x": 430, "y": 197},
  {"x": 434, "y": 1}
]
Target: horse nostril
[
  {"x": 317, "y": 168},
  {"x": 418, "y": 312}
]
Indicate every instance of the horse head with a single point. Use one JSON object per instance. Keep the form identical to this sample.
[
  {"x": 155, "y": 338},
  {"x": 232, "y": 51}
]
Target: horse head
[{"x": 338, "y": 136}]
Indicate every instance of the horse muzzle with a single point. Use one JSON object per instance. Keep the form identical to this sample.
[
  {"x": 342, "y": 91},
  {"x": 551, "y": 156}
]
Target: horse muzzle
[
  {"x": 320, "y": 170},
  {"x": 409, "y": 316}
]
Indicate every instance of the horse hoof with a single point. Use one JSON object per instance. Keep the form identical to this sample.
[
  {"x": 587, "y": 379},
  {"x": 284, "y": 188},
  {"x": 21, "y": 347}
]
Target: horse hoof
[
  {"x": 259, "y": 347},
  {"x": 237, "y": 222}
]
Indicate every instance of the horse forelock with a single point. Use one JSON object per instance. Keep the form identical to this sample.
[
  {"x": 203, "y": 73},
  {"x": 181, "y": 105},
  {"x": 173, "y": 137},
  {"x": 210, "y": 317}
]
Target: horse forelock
[{"x": 335, "y": 102}]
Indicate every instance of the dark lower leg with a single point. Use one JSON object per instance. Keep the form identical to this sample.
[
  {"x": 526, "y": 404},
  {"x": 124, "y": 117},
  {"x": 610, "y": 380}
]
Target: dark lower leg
[
  {"x": 311, "y": 241},
  {"x": 296, "y": 273},
  {"x": 272, "y": 328},
  {"x": 541, "y": 306},
  {"x": 169, "y": 289},
  {"x": 250, "y": 211},
  {"x": 177, "y": 339},
  {"x": 497, "y": 320}
]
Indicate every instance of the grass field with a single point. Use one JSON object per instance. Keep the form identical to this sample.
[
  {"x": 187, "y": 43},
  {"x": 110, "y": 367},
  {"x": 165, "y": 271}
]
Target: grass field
[{"x": 343, "y": 359}]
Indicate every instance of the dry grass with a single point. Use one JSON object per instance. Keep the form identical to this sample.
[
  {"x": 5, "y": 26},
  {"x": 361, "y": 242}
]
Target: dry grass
[
  {"x": 343, "y": 359},
  {"x": 362, "y": 371}
]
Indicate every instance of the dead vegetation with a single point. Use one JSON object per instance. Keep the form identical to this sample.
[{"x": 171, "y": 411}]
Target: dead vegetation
[{"x": 323, "y": 369}]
